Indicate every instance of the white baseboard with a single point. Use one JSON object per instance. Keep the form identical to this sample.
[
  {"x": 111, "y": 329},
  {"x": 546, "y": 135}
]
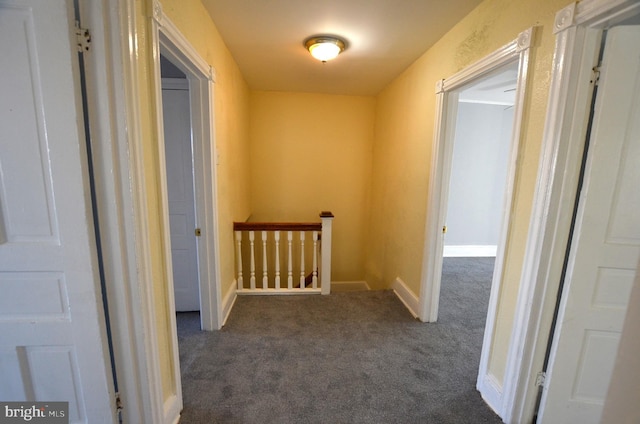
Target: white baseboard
[
  {"x": 406, "y": 296},
  {"x": 172, "y": 409},
  {"x": 491, "y": 392},
  {"x": 467, "y": 251},
  {"x": 342, "y": 286},
  {"x": 228, "y": 301}
]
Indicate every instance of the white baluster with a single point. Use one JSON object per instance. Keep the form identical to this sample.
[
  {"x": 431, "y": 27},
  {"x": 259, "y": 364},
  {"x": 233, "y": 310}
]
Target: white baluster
[
  {"x": 325, "y": 254},
  {"x": 252, "y": 279},
  {"x": 265, "y": 278},
  {"x": 289, "y": 262},
  {"x": 239, "y": 255},
  {"x": 302, "y": 282},
  {"x": 277, "y": 238},
  {"x": 314, "y": 278}
]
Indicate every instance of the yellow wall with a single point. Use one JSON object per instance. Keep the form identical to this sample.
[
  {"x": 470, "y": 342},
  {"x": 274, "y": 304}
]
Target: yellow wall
[
  {"x": 369, "y": 163},
  {"x": 309, "y": 153},
  {"x": 232, "y": 140},
  {"x": 405, "y": 116}
]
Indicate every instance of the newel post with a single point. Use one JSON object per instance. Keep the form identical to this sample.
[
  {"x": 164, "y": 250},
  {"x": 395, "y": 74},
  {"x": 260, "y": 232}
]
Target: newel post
[{"x": 325, "y": 252}]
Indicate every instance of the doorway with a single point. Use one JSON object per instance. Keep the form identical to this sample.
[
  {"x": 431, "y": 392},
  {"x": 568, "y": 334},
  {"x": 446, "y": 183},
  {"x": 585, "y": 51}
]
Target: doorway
[
  {"x": 479, "y": 164},
  {"x": 479, "y": 196},
  {"x": 494, "y": 71},
  {"x": 169, "y": 43},
  {"x": 579, "y": 39},
  {"x": 604, "y": 243},
  {"x": 180, "y": 186},
  {"x": 179, "y": 59}
]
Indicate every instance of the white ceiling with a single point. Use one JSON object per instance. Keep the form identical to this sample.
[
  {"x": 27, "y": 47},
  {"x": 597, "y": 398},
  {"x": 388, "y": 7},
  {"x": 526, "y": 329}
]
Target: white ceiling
[
  {"x": 497, "y": 88},
  {"x": 383, "y": 38}
]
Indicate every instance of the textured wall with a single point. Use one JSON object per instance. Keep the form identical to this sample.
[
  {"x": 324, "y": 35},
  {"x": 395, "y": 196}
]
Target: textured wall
[
  {"x": 405, "y": 117},
  {"x": 232, "y": 140},
  {"x": 309, "y": 153}
]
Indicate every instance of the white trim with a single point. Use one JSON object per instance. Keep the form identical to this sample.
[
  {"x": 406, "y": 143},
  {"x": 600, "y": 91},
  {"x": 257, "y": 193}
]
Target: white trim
[
  {"x": 277, "y": 292},
  {"x": 577, "y": 29},
  {"x": 502, "y": 56},
  {"x": 491, "y": 390},
  {"x": 165, "y": 236},
  {"x": 441, "y": 158},
  {"x": 172, "y": 408},
  {"x": 181, "y": 45},
  {"x": 116, "y": 128},
  {"x": 116, "y": 131},
  {"x": 469, "y": 251},
  {"x": 229, "y": 301},
  {"x": 325, "y": 253},
  {"x": 166, "y": 38},
  {"x": 172, "y": 44},
  {"x": 446, "y": 103},
  {"x": 524, "y": 42},
  {"x": 406, "y": 296},
  {"x": 432, "y": 261},
  {"x": 153, "y": 386}
]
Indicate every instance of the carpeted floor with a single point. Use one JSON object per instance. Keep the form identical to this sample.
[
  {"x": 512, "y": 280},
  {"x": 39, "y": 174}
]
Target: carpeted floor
[{"x": 356, "y": 357}]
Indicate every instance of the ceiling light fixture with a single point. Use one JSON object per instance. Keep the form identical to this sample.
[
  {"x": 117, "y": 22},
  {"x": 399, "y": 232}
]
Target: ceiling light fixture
[{"x": 324, "y": 48}]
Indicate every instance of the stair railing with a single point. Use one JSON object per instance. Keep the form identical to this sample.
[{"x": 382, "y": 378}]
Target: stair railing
[{"x": 275, "y": 257}]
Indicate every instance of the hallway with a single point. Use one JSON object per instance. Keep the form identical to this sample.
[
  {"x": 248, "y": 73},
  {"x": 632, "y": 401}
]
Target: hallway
[{"x": 348, "y": 357}]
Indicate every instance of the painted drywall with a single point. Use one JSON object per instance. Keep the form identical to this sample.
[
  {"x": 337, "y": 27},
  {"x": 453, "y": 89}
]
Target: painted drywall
[
  {"x": 405, "y": 115},
  {"x": 400, "y": 154},
  {"x": 311, "y": 153},
  {"x": 478, "y": 174},
  {"x": 232, "y": 140}
]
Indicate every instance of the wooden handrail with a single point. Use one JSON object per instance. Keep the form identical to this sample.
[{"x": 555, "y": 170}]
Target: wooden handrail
[{"x": 277, "y": 226}]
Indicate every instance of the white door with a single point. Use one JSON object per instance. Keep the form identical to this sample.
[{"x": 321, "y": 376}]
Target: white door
[
  {"x": 179, "y": 161},
  {"x": 53, "y": 344},
  {"x": 606, "y": 244}
]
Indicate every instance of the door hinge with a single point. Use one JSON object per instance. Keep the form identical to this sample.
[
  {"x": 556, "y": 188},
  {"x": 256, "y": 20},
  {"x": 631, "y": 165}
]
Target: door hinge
[
  {"x": 444, "y": 229},
  {"x": 541, "y": 379},
  {"x": 119, "y": 407},
  {"x": 198, "y": 232},
  {"x": 83, "y": 38},
  {"x": 595, "y": 77}
]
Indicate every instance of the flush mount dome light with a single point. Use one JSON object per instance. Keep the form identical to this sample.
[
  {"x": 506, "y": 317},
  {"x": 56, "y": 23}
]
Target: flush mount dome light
[{"x": 324, "y": 48}]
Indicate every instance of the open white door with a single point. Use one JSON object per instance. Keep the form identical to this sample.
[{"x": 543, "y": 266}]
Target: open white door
[
  {"x": 179, "y": 161},
  {"x": 606, "y": 244},
  {"x": 53, "y": 343}
]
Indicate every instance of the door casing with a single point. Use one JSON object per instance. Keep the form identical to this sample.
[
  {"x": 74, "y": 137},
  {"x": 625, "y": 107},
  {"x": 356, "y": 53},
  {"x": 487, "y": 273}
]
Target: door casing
[
  {"x": 115, "y": 116},
  {"x": 167, "y": 40},
  {"x": 446, "y": 102},
  {"x": 577, "y": 28},
  {"x": 601, "y": 254}
]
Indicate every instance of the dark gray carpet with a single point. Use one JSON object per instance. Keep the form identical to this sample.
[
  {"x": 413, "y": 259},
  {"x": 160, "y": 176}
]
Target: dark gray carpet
[{"x": 356, "y": 357}]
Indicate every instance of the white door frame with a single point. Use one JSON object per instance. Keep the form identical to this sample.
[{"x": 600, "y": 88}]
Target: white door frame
[
  {"x": 167, "y": 39},
  {"x": 114, "y": 116},
  {"x": 446, "y": 104},
  {"x": 577, "y": 28},
  {"x": 116, "y": 131}
]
